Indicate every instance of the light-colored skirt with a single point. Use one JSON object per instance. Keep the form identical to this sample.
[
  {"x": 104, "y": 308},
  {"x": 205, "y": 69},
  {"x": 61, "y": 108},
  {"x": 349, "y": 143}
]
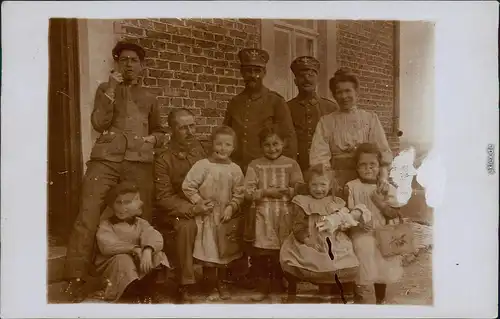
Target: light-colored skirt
[
  {"x": 310, "y": 265},
  {"x": 373, "y": 267},
  {"x": 205, "y": 245}
]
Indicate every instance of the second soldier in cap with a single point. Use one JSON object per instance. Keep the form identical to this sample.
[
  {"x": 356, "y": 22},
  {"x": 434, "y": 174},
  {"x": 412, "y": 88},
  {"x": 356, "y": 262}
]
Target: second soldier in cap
[{"x": 307, "y": 107}]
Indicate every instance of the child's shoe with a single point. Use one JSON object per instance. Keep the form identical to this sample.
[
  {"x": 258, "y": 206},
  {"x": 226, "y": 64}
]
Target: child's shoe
[
  {"x": 211, "y": 281},
  {"x": 262, "y": 290},
  {"x": 213, "y": 295},
  {"x": 358, "y": 297},
  {"x": 223, "y": 291}
]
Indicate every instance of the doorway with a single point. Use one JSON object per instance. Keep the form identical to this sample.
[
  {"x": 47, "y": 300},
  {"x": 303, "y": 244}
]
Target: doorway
[{"x": 64, "y": 140}]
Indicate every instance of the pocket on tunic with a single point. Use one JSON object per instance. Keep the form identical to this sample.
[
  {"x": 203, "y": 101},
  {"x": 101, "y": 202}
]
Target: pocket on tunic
[
  {"x": 105, "y": 138},
  {"x": 108, "y": 145}
]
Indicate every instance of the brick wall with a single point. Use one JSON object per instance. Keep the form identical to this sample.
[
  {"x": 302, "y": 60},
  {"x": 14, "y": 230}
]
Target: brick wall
[
  {"x": 367, "y": 47},
  {"x": 193, "y": 63}
]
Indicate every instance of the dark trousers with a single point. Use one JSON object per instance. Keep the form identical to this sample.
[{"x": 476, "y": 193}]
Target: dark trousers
[
  {"x": 99, "y": 179},
  {"x": 185, "y": 235}
]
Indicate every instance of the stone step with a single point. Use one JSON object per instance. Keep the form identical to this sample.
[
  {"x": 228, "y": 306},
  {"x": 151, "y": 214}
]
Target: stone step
[
  {"x": 55, "y": 293},
  {"x": 55, "y": 270},
  {"x": 56, "y": 260}
]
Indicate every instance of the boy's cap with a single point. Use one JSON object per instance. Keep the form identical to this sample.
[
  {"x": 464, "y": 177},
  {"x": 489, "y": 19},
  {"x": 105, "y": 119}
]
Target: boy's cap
[
  {"x": 124, "y": 187},
  {"x": 123, "y": 45}
]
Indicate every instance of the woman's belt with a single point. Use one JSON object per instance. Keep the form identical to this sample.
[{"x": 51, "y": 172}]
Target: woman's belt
[{"x": 343, "y": 161}]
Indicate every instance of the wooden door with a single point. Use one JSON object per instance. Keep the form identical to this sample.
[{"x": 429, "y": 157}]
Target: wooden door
[{"x": 64, "y": 141}]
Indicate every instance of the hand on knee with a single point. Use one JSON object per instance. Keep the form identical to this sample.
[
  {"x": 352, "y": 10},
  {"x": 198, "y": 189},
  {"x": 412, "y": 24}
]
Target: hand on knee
[{"x": 146, "y": 261}]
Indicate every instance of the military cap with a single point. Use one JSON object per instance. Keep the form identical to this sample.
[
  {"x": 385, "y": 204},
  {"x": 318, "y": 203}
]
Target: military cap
[
  {"x": 305, "y": 63},
  {"x": 253, "y": 57},
  {"x": 123, "y": 45}
]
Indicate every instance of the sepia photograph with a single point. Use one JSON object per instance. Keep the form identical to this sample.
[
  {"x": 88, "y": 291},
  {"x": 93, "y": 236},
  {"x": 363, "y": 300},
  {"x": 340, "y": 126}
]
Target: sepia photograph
[
  {"x": 249, "y": 159},
  {"x": 239, "y": 161}
]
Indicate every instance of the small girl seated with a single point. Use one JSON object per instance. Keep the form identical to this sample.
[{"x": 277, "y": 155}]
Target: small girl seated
[
  {"x": 304, "y": 255},
  {"x": 130, "y": 253},
  {"x": 220, "y": 181}
]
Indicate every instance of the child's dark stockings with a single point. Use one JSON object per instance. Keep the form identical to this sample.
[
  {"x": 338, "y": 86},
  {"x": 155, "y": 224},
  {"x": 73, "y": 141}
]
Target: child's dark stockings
[{"x": 380, "y": 292}]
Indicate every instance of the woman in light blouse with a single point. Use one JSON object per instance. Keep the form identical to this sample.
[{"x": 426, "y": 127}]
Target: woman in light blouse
[{"x": 338, "y": 134}]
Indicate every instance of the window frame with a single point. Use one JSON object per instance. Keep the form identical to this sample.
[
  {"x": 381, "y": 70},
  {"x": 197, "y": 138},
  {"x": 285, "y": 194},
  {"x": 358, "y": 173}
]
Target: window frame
[{"x": 268, "y": 33}]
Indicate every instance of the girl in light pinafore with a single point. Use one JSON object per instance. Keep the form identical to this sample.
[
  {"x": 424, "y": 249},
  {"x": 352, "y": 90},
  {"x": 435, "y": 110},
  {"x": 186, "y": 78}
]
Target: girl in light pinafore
[
  {"x": 383, "y": 206},
  {"x": 219, "y": 180}
]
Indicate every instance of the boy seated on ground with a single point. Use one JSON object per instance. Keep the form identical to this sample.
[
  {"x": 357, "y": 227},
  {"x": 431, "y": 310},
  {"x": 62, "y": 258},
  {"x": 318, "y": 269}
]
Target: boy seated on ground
[{"x": 130, "y": 255}]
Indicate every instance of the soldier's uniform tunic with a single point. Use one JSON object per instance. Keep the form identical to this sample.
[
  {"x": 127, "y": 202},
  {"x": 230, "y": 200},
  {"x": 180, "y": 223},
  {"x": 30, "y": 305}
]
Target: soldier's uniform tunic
[{"x": 307, "y": 112}]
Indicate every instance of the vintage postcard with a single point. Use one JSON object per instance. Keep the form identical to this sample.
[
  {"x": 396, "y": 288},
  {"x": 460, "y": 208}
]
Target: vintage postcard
[{"x": 266, "y": 161}]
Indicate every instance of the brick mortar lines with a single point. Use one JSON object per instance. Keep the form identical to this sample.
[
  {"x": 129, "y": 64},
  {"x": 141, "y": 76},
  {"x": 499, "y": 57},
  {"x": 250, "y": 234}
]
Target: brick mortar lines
[
  {"x": 205, "y": 75},
  {"x": 367, "y": 48},
  {"x": 202, "y": 73}
]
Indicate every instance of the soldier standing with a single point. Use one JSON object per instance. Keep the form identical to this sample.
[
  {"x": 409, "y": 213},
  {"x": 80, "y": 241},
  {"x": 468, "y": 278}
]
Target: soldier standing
[
  {"x": 257, "y": 107},
  {"x": 307, "y": 107},
  {"x": 248, "y": 113}
]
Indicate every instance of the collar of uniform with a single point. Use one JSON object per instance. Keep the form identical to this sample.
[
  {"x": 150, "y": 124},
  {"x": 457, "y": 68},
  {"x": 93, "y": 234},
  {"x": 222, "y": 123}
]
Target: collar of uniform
[
  {"x": 182, "y": 151},
  {"x": 313, "y": 100},
  {"x": 255, "y": 95}
]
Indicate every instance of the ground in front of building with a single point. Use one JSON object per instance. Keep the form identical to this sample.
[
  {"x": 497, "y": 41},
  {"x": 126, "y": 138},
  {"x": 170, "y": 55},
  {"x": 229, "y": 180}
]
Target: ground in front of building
[{"x": 415, "y": 288}]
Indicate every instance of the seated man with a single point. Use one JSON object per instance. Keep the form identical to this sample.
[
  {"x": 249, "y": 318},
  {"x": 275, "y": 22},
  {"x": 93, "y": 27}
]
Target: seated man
[{"x": 174, "y": 210}]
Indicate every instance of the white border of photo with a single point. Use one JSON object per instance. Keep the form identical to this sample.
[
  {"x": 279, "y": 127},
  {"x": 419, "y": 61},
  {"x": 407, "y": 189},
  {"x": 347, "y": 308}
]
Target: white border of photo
[{"x": 465, "y": 252}]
